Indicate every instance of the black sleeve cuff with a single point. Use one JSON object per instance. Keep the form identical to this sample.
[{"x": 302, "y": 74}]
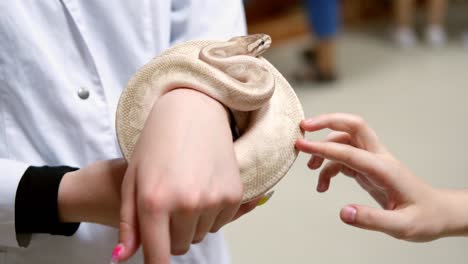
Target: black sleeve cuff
[{"x": 36, "y": 205}]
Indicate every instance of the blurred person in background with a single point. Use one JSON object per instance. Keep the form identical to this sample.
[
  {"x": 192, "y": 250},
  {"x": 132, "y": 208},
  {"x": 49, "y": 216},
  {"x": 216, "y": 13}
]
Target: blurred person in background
[
  {"x": 320, "y": 57},
  {"x": 404, "y": 35}
]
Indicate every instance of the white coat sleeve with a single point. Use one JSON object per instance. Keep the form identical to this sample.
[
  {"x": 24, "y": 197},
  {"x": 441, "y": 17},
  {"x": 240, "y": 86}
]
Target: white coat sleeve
[
  {"x": 10, "y": 176},
  {"x": 207, "y": 19}
]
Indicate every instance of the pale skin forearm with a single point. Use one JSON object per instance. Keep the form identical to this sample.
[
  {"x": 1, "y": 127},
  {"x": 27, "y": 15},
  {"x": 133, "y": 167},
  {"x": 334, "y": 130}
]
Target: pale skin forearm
[{"x": 92, "y": 194}]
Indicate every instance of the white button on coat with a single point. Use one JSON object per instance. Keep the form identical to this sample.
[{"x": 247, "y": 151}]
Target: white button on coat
[
  {"x": 50, "y": 50},
  {"x": 83, "y": 93}
]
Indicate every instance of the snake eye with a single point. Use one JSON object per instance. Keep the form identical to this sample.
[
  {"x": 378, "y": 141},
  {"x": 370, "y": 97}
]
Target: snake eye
[{"x": 262, "y": 43}]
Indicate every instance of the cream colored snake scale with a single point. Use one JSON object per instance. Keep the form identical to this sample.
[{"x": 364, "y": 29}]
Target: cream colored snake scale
[{"x": 266, "y": 110}]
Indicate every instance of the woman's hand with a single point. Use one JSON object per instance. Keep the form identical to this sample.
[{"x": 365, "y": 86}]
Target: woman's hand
[
  {"x": 183, "y": 180},
  {"x": 412, "y": 209},
  {"x": 92, "y": 194}
]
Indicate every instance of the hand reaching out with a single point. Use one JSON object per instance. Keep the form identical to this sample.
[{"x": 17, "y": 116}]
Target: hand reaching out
[{"x": 412, "y": 209}]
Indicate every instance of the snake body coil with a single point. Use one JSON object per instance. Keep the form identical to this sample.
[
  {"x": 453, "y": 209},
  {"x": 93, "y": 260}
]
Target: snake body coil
[{"x": 265, "y": 107}]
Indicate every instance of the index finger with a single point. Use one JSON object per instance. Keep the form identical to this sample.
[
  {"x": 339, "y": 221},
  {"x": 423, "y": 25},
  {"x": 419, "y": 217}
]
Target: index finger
[
  {"x": 357, "y": 159},
  {"x": 354, "y": 125}
]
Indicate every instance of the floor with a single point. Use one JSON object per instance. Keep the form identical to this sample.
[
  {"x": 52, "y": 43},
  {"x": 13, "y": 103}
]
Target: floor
[{"x": 416, "y": 100}]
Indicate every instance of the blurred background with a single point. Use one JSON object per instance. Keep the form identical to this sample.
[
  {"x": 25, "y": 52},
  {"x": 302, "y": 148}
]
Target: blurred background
[{"x": 403, "y": 66}]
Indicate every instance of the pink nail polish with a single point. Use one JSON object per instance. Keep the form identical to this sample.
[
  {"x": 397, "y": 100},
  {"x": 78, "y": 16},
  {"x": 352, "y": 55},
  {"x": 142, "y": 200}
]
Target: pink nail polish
[{"x": 116, "y": 254}]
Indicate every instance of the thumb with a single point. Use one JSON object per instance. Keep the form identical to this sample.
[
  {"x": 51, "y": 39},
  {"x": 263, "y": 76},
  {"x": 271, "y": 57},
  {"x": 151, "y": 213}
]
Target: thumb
[
  {"x": 387, "y": 221},
  {"x": 128, "y": 227}
]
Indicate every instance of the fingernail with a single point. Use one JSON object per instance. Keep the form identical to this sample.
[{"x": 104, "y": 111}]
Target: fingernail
[
  {"x": 265, "y": 198},
  {"x": 116, "y": 254},
  {"x": 349, "y": 214},
  {"x": 311, "y": 163},
  {"x": 321, "y": 187},
  {"x": 310, "y": 121}
]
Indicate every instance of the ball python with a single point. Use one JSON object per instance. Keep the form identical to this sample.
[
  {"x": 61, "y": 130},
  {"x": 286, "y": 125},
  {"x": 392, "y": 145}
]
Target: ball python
[{"x": 265, "y": 108}]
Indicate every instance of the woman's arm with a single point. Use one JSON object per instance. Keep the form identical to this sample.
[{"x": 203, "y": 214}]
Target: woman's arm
[{"x": 183, "y": 179}]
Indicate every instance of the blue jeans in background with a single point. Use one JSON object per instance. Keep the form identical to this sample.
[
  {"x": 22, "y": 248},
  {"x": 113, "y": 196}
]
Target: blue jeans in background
[{"x": 323, "y": 17}]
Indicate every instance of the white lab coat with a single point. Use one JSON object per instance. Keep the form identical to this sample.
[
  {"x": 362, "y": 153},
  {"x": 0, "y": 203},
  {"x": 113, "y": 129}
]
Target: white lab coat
[{"x": 51, "y": 53}]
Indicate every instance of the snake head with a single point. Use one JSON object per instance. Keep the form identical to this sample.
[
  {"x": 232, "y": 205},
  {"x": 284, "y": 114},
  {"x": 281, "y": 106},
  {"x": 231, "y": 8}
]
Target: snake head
[
  {"x": 258, "y": 44},
  {"x": 255, "y": 44}
]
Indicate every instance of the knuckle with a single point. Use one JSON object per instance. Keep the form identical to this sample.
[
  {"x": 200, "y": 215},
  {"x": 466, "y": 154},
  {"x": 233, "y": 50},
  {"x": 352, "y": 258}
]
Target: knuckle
[
  {"x": 190, "y": 201},
  {"x": 211, "y": 200},
  {"x": 227, "y": 194},
  {"x": 153, "y": 202},
  {"x": 357, "y": 123},
  {"x": 233, "y": 198},
  {"x": 347, "y": 155}
]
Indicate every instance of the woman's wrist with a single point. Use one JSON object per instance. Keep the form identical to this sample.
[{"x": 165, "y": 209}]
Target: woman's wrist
[
  {"x": 455, "y": 212},
  {"x": 70, "y": 203},
  {"x": 92, "y": 194},
  {"x": 198, "y": 100}
]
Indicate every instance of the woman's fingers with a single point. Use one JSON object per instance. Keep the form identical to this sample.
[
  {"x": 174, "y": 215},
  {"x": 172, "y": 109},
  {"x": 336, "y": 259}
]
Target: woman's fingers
[
  {"x": 226, "y": 215},
  {"x": 394, "y": 223},
  {"x": 355, "y": 126},
  {"x": 213, "y": 220},
  {"x": 339, "y": 137},
  {"x": 330, "y": 170},
  {"x": 333, "y": 168},
  {"x": 154, "y": 221},
  {"x": 128, "y": 227},
  {"x": 359, "y": 160},
  {"x": 205, "y": 222},
  {"x": 183, "y": 226}
]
